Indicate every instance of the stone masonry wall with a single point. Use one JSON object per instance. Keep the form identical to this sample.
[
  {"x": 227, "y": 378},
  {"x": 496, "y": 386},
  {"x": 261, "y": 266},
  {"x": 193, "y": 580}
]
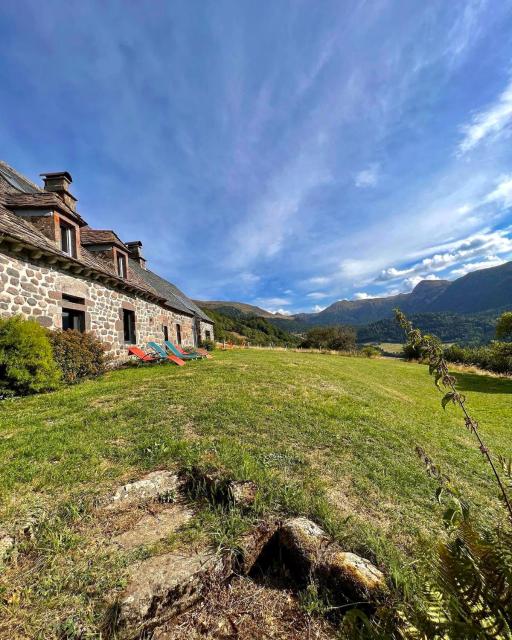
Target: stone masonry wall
[
  {"x": 204, "y": 327},
  {"x": 34, "y": 290}
]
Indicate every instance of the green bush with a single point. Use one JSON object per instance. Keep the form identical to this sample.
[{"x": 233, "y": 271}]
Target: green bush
[
  {"x": 209, "y": 345},
  {"x": 497, "y": 356},
  {"x": 370, "y": 351},
  {"x": 79, "y": 355},
  {"x": 26, "y": 360},
  {"x": 411, "y": 352},
  {"x": 340, "y": 338}
]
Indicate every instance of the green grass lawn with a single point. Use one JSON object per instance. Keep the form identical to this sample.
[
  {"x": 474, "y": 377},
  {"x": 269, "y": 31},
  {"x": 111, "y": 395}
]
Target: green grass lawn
[{"x": 328, "y": 436}]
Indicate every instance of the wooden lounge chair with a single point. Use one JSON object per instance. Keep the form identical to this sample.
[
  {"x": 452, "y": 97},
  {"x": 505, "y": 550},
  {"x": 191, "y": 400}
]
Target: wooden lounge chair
[
  {"x": 179, "y": 353},
  {"x": 163, "y": 355},
  {"x": 141, "y": 355},
  {"x": 201, "y": 352}
]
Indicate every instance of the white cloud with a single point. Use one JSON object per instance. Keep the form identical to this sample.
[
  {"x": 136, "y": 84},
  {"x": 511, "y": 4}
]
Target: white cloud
[
  {"x": 361, "y": 295},
  {"x": 282, "y": 312},
  {"x": 490, "y": 261},
  {"x": 317, "y": 308},
  {"x": 367, "y": 177},
  {"x": 410, "y": 283},
  {"x": 318, "y": 280},
  {"x": 494, "y": 121},
  {"x": 479, "y": 245},
  {"x": 249, "y": 278},
  {"x": 503, "y": 192},
  {"x": 317, "y": 295},
  {"x": 271, "y": 302}
]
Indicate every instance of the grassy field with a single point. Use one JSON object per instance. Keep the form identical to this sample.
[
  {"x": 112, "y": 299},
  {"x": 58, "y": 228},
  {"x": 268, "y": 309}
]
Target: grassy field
[{"x": 327, "y": 436}]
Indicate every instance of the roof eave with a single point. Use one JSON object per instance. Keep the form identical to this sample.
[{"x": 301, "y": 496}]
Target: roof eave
[{"x": 18, "y": 245}]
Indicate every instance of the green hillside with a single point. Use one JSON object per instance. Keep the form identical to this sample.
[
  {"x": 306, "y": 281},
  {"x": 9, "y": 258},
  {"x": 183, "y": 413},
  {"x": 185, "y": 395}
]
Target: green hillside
[
  {"x": 486, "y": 290},
  {"x": 233, "y": 325},
  {"x": 449, "y": 327}
]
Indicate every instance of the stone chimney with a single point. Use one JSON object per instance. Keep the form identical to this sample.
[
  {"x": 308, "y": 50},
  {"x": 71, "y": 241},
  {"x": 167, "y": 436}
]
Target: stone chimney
[
  {"x": 135, "y": 249},
  {"x": 58, "y": 182}
]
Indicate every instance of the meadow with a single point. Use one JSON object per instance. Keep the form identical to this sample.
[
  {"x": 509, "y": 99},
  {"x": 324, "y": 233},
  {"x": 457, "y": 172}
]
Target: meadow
[{"x": 330, "y": 437}]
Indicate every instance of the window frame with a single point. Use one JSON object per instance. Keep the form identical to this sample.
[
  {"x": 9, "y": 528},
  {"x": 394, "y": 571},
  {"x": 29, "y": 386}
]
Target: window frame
[
  {"x": 121, "y": 265},
  {"x": 68, "y": 237},
  {"x": 73, "y": 315},
  {"x": 129, "y": 326}
]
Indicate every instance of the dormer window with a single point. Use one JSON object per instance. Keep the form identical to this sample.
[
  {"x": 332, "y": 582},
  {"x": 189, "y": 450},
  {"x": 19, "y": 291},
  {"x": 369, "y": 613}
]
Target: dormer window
[
  {"x": 67, "y": 239},
  {"x": 121, "y": 265}
]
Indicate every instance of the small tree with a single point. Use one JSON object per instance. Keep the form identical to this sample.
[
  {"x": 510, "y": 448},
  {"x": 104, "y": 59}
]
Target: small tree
[
  {"x": 26, "y": 359},
  {"x": 340, "y": 338},
  {"x": 504, "y": 326}
]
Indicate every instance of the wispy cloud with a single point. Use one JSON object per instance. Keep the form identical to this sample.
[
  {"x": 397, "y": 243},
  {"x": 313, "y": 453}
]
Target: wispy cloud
[
  {"x": 367, "y": 177},
  {"x": 490, "y": 261},
  {"x": 492, "y": 122},
  {"x": 362, "y": 295},
  {"x": 460, "y": 253}
]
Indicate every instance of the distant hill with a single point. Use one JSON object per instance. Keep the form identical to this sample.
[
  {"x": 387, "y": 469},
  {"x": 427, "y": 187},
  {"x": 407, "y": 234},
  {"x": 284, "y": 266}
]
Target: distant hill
[
  {"x": 476, "y": 328},
  {"x": 238, "y": 327},
  {"x": 482, "y": 290},
  {"x": 224, "y": 306}
]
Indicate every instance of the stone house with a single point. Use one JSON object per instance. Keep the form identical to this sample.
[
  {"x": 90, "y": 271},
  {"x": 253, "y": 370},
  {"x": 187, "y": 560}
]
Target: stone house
[{"x": 56, "y": 269}]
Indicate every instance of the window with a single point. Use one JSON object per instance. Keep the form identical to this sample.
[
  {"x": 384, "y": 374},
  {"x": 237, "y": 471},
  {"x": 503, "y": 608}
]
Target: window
[
  {"x": 207, "y": 335},
  {"x": 73, "y": 319},
  {"x": 166, "y": 332},
  {"x": 67, "y": 239},
  {"x": 121, "y": 265},
  {"x": 178, "y": 334},
  {"x": 129, "y": 326}
]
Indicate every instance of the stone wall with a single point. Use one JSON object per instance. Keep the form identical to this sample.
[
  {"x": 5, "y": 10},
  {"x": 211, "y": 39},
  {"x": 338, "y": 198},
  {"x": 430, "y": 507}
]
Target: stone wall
[
  {"x": 35, "y": 290},
  {"x": 205, "y": 327}
]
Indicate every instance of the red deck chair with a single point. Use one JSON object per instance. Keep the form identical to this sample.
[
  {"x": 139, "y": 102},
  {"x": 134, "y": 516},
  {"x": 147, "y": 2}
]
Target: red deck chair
[{"x": 148, "y": 357}]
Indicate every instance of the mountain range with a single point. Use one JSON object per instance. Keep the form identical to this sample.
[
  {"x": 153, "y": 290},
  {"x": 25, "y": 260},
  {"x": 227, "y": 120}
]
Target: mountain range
[{"x": 478, "y": 291}]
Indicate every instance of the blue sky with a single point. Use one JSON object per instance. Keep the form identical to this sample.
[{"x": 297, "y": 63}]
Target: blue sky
[{"x": 285, "y": 153}]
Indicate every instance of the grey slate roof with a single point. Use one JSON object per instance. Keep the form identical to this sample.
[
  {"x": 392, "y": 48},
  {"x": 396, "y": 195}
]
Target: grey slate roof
[
  {"x": 174, "y": 296},
  {"x": 16, "y": 180}
]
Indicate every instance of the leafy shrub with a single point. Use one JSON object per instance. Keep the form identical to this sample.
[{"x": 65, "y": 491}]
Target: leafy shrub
[
  {"x": 370, "y": 351},
  {"x": 79, "y": 355},
  {"x": 504, "y": 326},
  {"x": 340, "y": 338},
  {"x": 26, "y": 360},
  {"x": 411, "y": 352},
  {"x": 496, "y": 356},
  {"x": 209, "y": 345}
]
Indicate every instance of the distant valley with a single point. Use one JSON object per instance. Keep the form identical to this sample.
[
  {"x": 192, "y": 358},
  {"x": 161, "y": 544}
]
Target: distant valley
[{"x": 477, "y": 298}]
